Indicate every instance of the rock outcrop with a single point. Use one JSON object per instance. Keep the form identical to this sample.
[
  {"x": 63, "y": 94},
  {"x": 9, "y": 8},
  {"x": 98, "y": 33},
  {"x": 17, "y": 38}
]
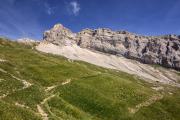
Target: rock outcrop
[
  {"x": 162, "y": 50},
  {"x": 59, "y": 35}
]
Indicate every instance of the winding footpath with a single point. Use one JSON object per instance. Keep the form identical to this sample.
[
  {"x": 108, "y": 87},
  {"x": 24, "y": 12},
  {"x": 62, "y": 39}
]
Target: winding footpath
[
  {"x": 25, "y": 83},
  {"x": 150, "y": 101},
  {"x": 43, "y": 114}
]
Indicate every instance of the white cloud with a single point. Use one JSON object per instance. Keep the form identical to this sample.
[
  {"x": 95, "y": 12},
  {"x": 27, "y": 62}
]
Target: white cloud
[
  {"x": 75, "y": 7},
  {"x": 49, "y": 10}
]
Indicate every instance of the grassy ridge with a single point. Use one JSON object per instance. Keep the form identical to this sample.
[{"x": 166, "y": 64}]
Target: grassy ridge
[{"x": 93, "y": 93}]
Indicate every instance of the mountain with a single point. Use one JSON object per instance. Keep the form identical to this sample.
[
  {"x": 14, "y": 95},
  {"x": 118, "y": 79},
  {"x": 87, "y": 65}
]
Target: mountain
[
  {"x": 82, "y": 82},
  {"x": 162, "y": 50},
  {"x": 27, "y": 41},
  {"x": 96, "y": 47}
]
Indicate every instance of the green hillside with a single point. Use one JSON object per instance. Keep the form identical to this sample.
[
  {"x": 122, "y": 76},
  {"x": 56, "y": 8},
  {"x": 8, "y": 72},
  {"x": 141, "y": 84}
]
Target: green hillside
[{"x": 35, "y": 86}]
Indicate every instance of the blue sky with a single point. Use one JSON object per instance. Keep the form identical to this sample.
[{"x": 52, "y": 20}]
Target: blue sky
[{"x": 30, "y": 18}]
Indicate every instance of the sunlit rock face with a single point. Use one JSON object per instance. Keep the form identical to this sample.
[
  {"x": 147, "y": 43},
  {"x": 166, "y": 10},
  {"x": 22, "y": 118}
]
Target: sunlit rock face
[
  {"x": 59, "y": 35},
  {"x": 162, "y": 50}
]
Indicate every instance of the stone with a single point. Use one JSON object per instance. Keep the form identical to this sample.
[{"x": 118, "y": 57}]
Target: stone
[
  {"x": 161, "y": 50},
  {"x": 59, "y": 35}
]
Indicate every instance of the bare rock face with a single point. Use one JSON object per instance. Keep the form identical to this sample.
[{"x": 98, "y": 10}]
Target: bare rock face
[
  {"x": 59, "y": 35},
  {"x": 162, "y": 50}
]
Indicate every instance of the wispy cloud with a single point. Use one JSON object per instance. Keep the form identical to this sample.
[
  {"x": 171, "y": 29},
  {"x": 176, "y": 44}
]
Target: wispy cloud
[
  {"x": 49, "y": 10},
  {"x": 13, "y": 21},
  {"x": 74, "y": 7}
]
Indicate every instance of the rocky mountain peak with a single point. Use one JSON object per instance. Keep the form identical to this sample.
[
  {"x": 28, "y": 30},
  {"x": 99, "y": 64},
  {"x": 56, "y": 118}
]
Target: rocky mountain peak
[
  {"x": 58, "y": 26},
  {"x": 162, "y": 50},
  {"x": 59, "y": 35}
]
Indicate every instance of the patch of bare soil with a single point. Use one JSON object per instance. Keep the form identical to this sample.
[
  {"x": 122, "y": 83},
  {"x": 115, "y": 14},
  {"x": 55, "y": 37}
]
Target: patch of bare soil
[
  {"x": 2, "y": 60},
  {"x": 42, "y": 113},
  {"x": 54, "y": 86}
]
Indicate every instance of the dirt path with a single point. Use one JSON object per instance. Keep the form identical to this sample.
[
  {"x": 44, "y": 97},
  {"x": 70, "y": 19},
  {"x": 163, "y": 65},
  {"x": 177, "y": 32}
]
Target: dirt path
[
  {"x": 150, "y": 101},
  {"x": 2, "y": 70},
  {"x": 50, "y": 88},
  {"x": 54, "y": 86},
  {"x": 21, "y": 105},
  {"x": 26, "y": 84},
  {"x": 2, "y": 60},
  {"x": 3, "y": 96},
  {"x": 42, "y": 113},
  {"x": 66, "y": 82},
  {"x": 46, "y": 99}
]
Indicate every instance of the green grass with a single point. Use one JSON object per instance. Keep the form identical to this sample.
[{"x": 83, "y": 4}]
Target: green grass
[
  {"x": 94, "y": 93},
  {"x": 9, "y": 112},
  {"x": 166, "y": 109}
]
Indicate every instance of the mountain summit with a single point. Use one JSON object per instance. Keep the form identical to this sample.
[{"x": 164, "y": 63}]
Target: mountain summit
[{"x": 162, "y": 50}]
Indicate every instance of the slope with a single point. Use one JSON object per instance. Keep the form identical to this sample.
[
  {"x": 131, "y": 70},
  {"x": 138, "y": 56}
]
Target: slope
[
  {"x": 36, "y": 85},
  {"x": 145, "y": 71}
]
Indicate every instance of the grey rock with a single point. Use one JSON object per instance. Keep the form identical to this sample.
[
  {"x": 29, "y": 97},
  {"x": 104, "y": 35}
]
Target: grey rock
[
  {"x": 59, "y": 35},
  {"x": 162, "y": 50}
]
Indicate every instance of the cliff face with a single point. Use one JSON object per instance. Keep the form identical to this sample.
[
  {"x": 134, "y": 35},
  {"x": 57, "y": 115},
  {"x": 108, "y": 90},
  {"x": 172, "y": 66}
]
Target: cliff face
[
  {"x": 59, "y": 35},
  {"x": 162, "y": 50}
]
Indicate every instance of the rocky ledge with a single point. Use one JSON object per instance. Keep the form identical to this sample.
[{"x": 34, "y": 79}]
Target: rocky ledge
[{"x": 161, "y": 50}]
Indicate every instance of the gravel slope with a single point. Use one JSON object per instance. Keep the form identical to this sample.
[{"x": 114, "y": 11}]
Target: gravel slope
[{"x": 144, "y": 71}]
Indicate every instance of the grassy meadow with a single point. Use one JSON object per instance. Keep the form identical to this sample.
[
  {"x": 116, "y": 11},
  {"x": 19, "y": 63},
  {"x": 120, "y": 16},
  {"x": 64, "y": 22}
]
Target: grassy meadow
[{"x": 75, "y": 90}]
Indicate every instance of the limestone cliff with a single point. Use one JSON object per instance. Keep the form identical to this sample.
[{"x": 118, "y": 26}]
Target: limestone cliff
[{"x": 162, "y": 50}]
